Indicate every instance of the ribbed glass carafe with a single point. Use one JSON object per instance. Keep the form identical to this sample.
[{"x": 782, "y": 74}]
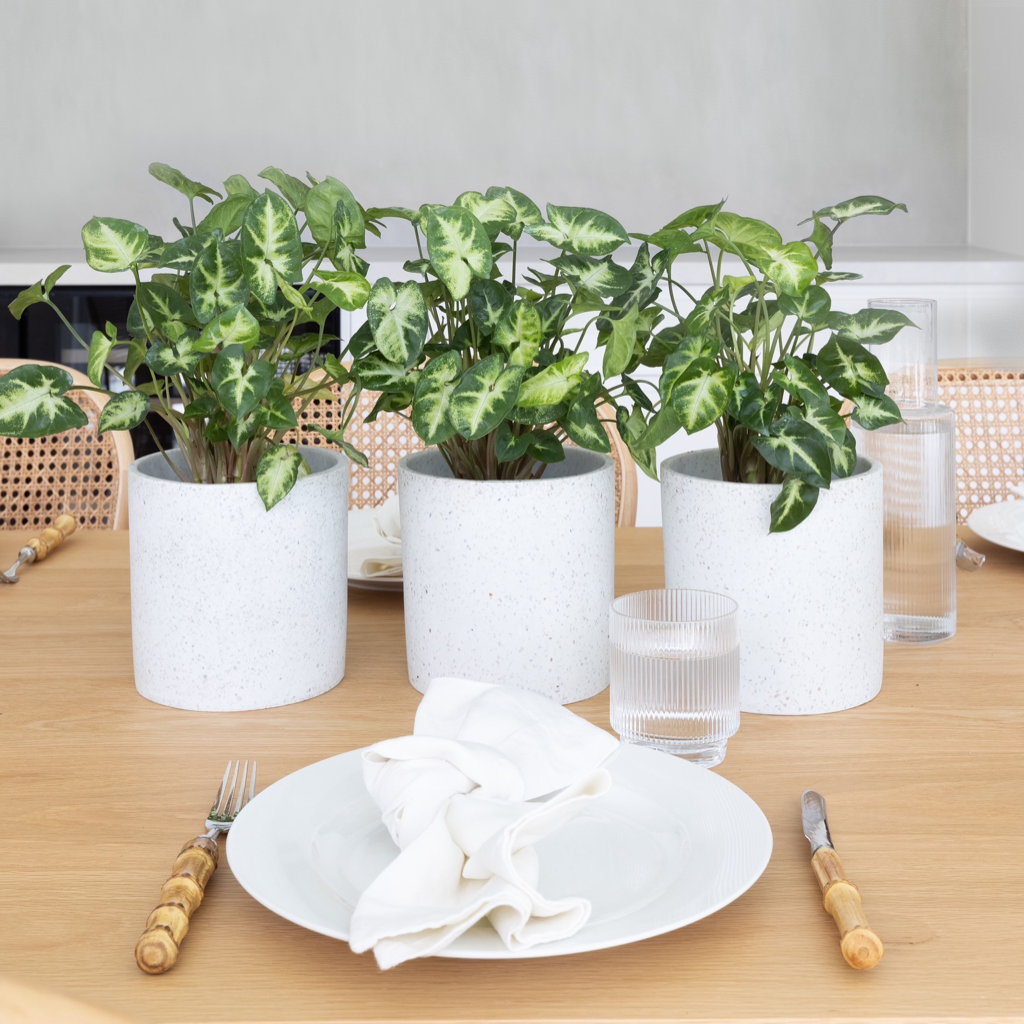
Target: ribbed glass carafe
[{"x": 675, "y": 672}]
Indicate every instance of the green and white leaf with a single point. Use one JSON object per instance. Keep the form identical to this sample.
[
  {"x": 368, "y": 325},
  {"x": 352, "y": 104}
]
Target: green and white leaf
[
  {"x": 874, "y": 411},
  {"x": 217, "y": 281},
  {"x": 603, "y": 277},
  {"x": 797, "y": 448},
  {"x": 859, "y": 207},
  {"x": 99, "y": 350},
  {"x": 746, "y": 236},
  {"x": 496, "y": 213},
  {"x": 277, "y": 411},
  {"x": 270, "y": 245},
  {"x": 843, "y": 455},
  {"x": 398, "y": 319},
  {"x": 112, "y": 245},
  {"x": 526, "y": 210},
  {"x": 186, "y": 186},
  {"x": 701, "y": 394},
  {"x": 344, "y": 288},
  {"x": 695, "y": 217},
  {"x": 239, "y": 386},
  {"x": 276, "y": 473},
  {"x": 519, "y": 333},
  {"x": 812, "y": 305},
  {"x": 552, "y": 384},
  {"x": 163, "y": 308},
  {"x": 665, "y": 423},
  {"x": 484, "y": 396},
  {"x": 458, "y": 247},
  {"x": 338, "y": 437},
  {"x": 227, "y": 216},
  {"x": 33, "y": 402},
  {"x": 851, "y": 369},
  {"x": 293, "y": 189},
  {"x": 829, "y": 276},
  {"x": 375, "y": 373},
  {"x": 180, "y": 355},
  {"x": 869, "y": 326},
  {"x": 327, "y": 223},
  {"x": 757, "y": 409},
  {"x": 180, "y": 255},
  {"x": 793, "y": 505},
  {"x": 125, "y": 410},
  {"x": 792, "y": 267},
  {"x": 621, "y": 341},
  {"x": 582, "y": 425},
  {"x": 801, "y": 381},
  {"x": 235, "y": 326},
  {"x": 488, "y": 302},
  {"x": 509, "y": 446},
  {"x": 545, "y": 447},
  {"x": 580, "y": 230},
  {"x": 432, "y": 398}
]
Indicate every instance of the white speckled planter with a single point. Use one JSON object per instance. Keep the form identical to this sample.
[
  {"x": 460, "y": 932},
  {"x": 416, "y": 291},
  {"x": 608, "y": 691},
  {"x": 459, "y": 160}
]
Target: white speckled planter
[
  {"x": 810, "y": 600},
  {"x": 233, "y": 607},
  {"x": 509, "y": 581}
]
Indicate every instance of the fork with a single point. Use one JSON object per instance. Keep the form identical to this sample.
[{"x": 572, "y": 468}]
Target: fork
[{"x": 157, "y": 948}]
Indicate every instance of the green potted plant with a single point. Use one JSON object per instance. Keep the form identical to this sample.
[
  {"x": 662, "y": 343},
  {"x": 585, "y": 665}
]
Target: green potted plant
[
  {"x": 783, "y": 516},
  {"x": 214, "y": 543}
]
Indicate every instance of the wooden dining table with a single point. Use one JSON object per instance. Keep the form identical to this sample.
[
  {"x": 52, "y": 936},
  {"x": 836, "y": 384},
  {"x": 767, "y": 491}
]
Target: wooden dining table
[{"x": 99, "y": 788}]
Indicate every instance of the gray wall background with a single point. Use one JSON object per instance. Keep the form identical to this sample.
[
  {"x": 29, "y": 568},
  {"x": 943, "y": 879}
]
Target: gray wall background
[{"x": 642, "y": 108}]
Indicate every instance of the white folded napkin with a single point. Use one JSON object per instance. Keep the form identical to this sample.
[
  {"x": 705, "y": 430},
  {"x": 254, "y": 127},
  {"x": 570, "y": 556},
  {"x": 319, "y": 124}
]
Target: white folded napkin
[
  {"x": 375, "y": 539},
  {"x": 462, "y": 798}
]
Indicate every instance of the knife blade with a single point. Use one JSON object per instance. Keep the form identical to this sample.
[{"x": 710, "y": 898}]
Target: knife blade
[{"x": 860, "y": 945}]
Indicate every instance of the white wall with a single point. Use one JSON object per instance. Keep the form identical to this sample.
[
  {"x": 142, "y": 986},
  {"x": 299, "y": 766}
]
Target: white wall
[
  {"x": 996, "y": 125},
  {"x": 643, "y": 107}
]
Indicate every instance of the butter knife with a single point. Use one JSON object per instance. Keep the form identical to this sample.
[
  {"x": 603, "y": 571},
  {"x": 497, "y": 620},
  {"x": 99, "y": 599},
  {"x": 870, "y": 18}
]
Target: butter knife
[{"x": 861, "y": 947}]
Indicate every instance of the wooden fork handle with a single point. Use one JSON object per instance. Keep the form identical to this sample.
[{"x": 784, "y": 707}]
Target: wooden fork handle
[
  {"x": 157, "y": 949},
  {"x": 53, "y": 536},
  {"x": 860, "y": 944}
]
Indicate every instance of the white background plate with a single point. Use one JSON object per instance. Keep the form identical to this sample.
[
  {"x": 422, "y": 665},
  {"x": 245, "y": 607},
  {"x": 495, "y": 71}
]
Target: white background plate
[
  {"x": 668, "y": 845},
  {"x": 361, "y": 582},
  {"x": 1002, "y": 524}
]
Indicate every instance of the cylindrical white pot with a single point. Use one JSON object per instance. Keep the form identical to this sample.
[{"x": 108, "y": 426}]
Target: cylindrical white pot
[
  {"x": 509, "y": 581},
  {"x": 234, "y": 607},
  {"x": 810, "y": 599}
]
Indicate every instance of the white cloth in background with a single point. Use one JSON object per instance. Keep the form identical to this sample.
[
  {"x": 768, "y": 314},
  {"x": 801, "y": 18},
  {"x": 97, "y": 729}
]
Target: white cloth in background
[
  {"x": 375, "y": 539},
  {"x": 461, "y": 798}
]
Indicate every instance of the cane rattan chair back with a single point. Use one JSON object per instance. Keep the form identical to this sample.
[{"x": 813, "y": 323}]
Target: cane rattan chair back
[
  {"x": 390, "y": 437},
  {"x": 989, "y": 408},
  {"x": 77, "y": 472}
]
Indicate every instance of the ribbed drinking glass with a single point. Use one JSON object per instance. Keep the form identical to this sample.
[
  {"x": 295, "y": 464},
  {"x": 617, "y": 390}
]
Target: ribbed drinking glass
[{"x": 675, "y": 672}]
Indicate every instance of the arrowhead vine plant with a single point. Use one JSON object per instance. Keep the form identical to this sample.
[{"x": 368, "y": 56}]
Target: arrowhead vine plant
[
  {"x": 215, "y": 325},
  {"x": 492, "y": 366}
]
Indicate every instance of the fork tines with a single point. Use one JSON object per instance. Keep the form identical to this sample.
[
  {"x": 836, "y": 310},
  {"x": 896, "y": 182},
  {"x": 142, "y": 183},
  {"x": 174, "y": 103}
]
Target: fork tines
[{"x": 222, "y": 809}]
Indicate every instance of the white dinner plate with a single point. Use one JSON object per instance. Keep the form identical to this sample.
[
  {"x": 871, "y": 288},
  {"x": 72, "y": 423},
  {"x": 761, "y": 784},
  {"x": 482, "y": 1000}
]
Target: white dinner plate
[
  {"x": 667, "y": 845},
  {"x": 1001, "y": 523},
  {"x": 361, "y": 582}
]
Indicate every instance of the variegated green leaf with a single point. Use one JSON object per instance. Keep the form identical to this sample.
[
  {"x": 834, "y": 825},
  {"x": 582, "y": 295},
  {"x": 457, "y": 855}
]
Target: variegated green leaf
[
  {"x": 217, "y": 281},
  {"x": 270, "y": 245},
  {"x": 186, "y": 186},
  {"x": 276, "y": 473},
  {"x": 375, "y": 373},
  {"x": 821, "y": 238},
  {"x": 553, "y": 313},
  {"x": 326, "y": 223},
  {"x": 33, "y": 402},
  {"x": 552, "y": 384},
  {"x": 800, "y": 380},
  {"x": 580, "y": 230},
  {"x": 869, "y": 326},
  {"x": 812, "y": 305},
  {"x": 180, "y": 355},
  {"x": 226, "y": 216},
  {"x": 632, "y": 428},
  {"x": 665, "y": 423},
  {"x": 398, "y": 319},
  {"x": 584, "y": 428},
  {"x": 746, "y": 236},
  {"x": 483, "y": 396},
  {"x": 276, "y": 412},
  {"x": 799, "y": 449},
  {"x": 545, "y": 447},
  {"x": 458, "y": 247},
  {"x": 235, "y": 326},
  {"x": 828, "y": 276},
  {"x": 791, "y": 267},
  {"x": 242, "y": 429},
  {"x": 602, "y": 277},
  {"x": 519, "y": 333},
  {"x": 180, "y": 255},
  {"x": 695, "y": 217},
  {"x": 701, "y": 394},
  {"x": 495, "y": 212},
  {"x": 874, "y": 411},
  {"x": 793, "y": 505},
  {"x": 851, "y": 369},
  {"x": 538, "y": 415},
  {"x": 858, "y": 207},
  {"x": 238, "y": 185},
  {"x": 98, "y": 352},
  {"x": 112, "y": 245},
  {"x": 165, "y": 311},
  {"x": 240, "y": 387},
  {"x": 526, "y": 210},
  {"x": 843, "y": 455},
  {"x": 824, "y": 419},
  {"x": 508, "y": 445},
  {"x": 754, "y": 407},
  {"x": 337, "y": 437},
  {"x": 488, "y": 301},
  {"x": 347, "y": 290},
  {"x": 643, "y": 281},
  {"x": 125, "y": 410},
  {"x": 432, "y": 398},
  {"x": 293, "y": 189},
  {"x": 620, "y": 344}
]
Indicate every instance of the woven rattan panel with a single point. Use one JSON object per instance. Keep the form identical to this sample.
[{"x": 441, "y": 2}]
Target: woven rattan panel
[
  {"x": 989, "y": 407},
  {"x": 75, "y": 472},
  {"x": 385, "y": 441}
]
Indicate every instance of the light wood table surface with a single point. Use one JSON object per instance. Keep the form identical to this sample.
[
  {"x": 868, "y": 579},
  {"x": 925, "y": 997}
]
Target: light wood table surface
[{"x": 925, "y": 789}]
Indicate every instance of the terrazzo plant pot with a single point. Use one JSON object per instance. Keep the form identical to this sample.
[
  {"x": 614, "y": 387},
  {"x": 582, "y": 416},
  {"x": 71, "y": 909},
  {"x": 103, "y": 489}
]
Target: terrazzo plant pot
[
  {"x": 234, "y": 607},
  {"x": 509, "y": 581},
  {"x": 810, "y": 600}
]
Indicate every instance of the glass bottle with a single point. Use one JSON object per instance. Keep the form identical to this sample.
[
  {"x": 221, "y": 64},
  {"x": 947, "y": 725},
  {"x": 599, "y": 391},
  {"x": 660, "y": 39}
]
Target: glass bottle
[{"x": 918, "y": 458}]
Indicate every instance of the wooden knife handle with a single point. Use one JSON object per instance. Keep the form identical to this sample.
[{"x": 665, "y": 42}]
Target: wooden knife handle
[
  {"x": 157, "y": 949},
  {"x": 861, "y": 947},
  {"x": 53, "y": 536}
]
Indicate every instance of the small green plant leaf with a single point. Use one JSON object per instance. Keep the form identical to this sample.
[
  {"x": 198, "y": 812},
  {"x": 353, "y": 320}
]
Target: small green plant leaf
[
  {"x": 545, "y": 447},
  {"x": 552, "y": 384},
  {"x": 458, "y": 247},
  {"x": 398, "y": 319},
  {"x": 240, "y": 387},
  {"x": 484, "y": 396},
  {"x": 509, "y": 446},
  {"x": 293, "y": 189},
  {"x": 821, "y": 239},
  {"x": 98, "y": 352},
  {"x": 812, "y": 305},
  {"x": 181, "y": 355},
  {"x": 519, "y": 333},
  {"x": 526, "y": 210},
  {"x": 227, "y": 216},
  {"x": 791, "y": 267},
  {"x": 186, "y": 186},
  {"x": 746, "y": 236},
  {"x": 584, "y": 428},
  {"x": 622, "y": 340},
  {"x": 755, "y": 408},
  {"x": 217, "y": 281},
  {"x": 165, "y": 311},
  {"x": 797, "y": 448},
  {"x": 112, "y": 245},
  {"x": 375, "y": 373},
  {"x": 874, "y": 411},
  {"x": 488, "y": 301},
  {"x": 859, "y": 207},
  {"x": 495, "y": 212},
  {"x": 276, "y": 411},
  {"x": 338, "y": 437},
  {"x": 843, "y": 455},
  {"x": 276, "y": 473},
  {"x": 869, "y": 326},
  {"x": 344, "y": 288},
  {"x": 580, "y": 230},
  {"x": 828, "y": 276},
  {"x": 33, "y": 402},
  {"x": 125, "y": 410},
  {"x": 270, "y": 245},
  {"x": 851, "y": 369},
  {"x": 603, "y": 277},
  {"x": 326, "y": 223},
  {"x": 800, "y": 380},
  {"x": 695, "y": 217},
  {"x": 665, "y": 423},
  {"x": 29, "y": 297},
  {"x": 235, "y": 326},
  {"x": 701, "y": 394},
  {"x": 793, "y": 505},
  {"x": 432, "y": 398},
  {"x": 180, "y": 255}
]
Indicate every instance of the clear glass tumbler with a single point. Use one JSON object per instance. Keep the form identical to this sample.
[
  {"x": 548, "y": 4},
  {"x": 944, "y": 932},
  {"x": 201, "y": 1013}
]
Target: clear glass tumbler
[{"x": 675, "y": 672}]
